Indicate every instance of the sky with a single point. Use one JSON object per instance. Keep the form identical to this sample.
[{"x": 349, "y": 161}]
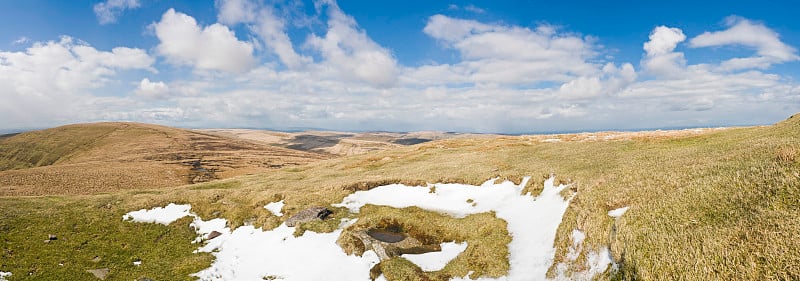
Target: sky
[{"x": 465, "y": 66}]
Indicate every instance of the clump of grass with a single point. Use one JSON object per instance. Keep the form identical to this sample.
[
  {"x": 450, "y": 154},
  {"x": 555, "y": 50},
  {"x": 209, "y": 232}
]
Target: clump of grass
[
  {"x": 786, "y": 154},
  {"x": 486, "y": 236}
]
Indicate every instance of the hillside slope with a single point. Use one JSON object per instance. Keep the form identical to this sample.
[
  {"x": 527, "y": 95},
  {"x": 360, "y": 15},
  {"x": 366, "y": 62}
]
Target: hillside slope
[
  {"x": 88, "y": 158},
  {"x": 710, "y": 205}
]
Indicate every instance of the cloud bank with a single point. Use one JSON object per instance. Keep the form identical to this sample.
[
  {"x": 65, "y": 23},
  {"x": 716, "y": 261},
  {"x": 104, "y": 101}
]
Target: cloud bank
[{"x": 248, "y": 70}]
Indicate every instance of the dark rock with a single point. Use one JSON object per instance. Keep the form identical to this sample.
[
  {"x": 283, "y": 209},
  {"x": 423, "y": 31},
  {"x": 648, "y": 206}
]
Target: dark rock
[
  {"x": 214, "y": 234},
  {"x": 324, "y": 214},
  {"x": 388, "y": 244},
  {"x": 307, "y": 215},
  {"x": 51, "y": 237}
]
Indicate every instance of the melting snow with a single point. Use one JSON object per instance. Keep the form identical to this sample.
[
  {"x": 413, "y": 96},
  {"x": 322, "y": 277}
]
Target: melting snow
[
  {"x": 435, "y": 261},
  {"x": 165, "y": 215},
  {"x": 275, "y": 208},
  {"x": 616, "y": 213},
  {"x": 532, "y": 222},
  {"x": 248, "y": 253},
  {"x": 3, "y": 275},
  {"x": 596, "y": 261}
]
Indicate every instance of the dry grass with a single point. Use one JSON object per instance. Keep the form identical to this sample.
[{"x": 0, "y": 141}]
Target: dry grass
[
  {"x": 105, "y": 157},
  {"x": 717, "y": 205},
  {"x": 485, "y": 235}
]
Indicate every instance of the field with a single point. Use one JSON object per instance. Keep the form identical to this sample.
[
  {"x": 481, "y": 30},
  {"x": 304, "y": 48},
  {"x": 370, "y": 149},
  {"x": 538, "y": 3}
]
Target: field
[{"x": 715, "y": 204}]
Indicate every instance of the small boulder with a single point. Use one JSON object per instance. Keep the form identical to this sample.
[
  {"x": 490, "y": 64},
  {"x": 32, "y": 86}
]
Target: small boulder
[
  {"x": 389, "y": 244},
  {"x": 51, "y": 237},
  {"x": 100, "y": 273},
  {"x": 213, "y": 234},
  {"x": 307, "y": 215}
]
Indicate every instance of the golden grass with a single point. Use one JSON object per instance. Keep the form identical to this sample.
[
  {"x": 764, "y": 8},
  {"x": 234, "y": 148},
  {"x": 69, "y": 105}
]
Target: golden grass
[
  {"x": 485, "y": 235},
  {"x": 720, "y": 205},
  {"x": 106, "y": 157}
]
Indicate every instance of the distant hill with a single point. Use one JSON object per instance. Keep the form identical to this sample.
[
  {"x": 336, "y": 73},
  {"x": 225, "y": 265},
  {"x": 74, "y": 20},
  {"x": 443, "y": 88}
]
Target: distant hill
[
  {"x": 339, "y": 143},
  {"x": 89, "y": 158}
]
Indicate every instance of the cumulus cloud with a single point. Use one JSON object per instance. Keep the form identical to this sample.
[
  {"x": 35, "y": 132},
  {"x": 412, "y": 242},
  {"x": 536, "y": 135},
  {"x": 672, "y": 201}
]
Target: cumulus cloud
[
  {"x": 264, "y": 22},
  {"x": 347, "y": 50},
  {"x": 214, "y": 47},
  {"x": 494, "y": 53},
  {"x": 660, "y": 57},
  {"x": 107, "y": 12},
  {"x": 743, "y": 32},
  {"x": 48, "y": 81},
  {"x": 232, "y": 12},
  {"x": 152, "y": 89}
]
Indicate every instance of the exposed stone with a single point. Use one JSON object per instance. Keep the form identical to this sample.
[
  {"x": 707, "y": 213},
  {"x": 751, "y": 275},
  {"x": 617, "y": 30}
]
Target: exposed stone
[
  {"x": 51, "y": 237},
  {"x": 307, "y": 215},
  {"x": 100, "y": 273},
  {"x": 389, "y": 244},
  {"x": 214, "y": 234}
]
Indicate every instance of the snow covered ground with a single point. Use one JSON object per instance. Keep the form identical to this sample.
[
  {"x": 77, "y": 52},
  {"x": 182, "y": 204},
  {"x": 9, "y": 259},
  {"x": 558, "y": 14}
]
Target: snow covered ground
[
  {"x": 3, "y": 275},
  {"x": 275, "y": 208},
  {"x": 435, "y": 261},
  {"x": 248, "y": 253}
]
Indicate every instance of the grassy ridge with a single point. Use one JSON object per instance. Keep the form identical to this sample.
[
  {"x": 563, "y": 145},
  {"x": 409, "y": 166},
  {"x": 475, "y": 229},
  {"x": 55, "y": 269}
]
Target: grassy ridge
[
  {"x": 47, "y": 147},
  {"x": 90, "y": 234},
  {"x": 715, "y": 206},
  {"x": 106, "y": 157}
]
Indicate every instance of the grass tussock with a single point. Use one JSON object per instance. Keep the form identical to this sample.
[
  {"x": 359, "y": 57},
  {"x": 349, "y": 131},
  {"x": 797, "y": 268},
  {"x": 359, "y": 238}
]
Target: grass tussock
[{"x": 486, "y": 237}]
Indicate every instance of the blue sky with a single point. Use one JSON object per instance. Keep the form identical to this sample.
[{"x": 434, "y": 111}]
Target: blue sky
[{"x": 477, "y": 66}]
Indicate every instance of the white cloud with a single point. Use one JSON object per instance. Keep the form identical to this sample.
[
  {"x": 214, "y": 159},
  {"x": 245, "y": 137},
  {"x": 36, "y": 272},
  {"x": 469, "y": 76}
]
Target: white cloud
[
  {"x": 769, "y": 48},
  {"x": 263, "y": 21},
  {"x": 152, "y": 89},
  {"x": 660, "y": 57},
  {"x": 474, "y": 9},
  {"x": 494, "y": 53},
  {"x": 469, "y": 8},
  {"x": 107, "y": 12},
  {"x": 232, "y": 12},
  {"x": 348, "y": 51},
  {"x": 22, "y": 40},
  {"x": 214, "y": 47},
  {"x": 48, "y": 82}
]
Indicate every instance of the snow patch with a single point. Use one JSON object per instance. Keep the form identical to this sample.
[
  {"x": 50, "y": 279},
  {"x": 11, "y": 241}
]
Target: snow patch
[
  {"x": 3, "y": 275},
  {"x": 249, "y": 253},
  {"x": 532, "y": 222},
  {"x": 275, "y": 208},
  {"x": 252, "y": 254},
  {"x": 616, "y": 213},
  {"x": 596, "y": 262},
  {"x": 137, "y": 263},
  {"x": 165, "y": 215},
  {"x": 435, "y": 261},
  {"x": 577, "y": 245}
]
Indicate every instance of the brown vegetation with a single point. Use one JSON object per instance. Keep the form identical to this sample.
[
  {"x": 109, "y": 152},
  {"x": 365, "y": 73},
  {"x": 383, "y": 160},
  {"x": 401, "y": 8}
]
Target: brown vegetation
[{"x": 103, "y": 157}]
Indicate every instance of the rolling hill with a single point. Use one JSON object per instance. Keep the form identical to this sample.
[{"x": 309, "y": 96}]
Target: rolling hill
[
  {"x": 713, "y": 204},
  {"x": 91, "y": 158}
]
